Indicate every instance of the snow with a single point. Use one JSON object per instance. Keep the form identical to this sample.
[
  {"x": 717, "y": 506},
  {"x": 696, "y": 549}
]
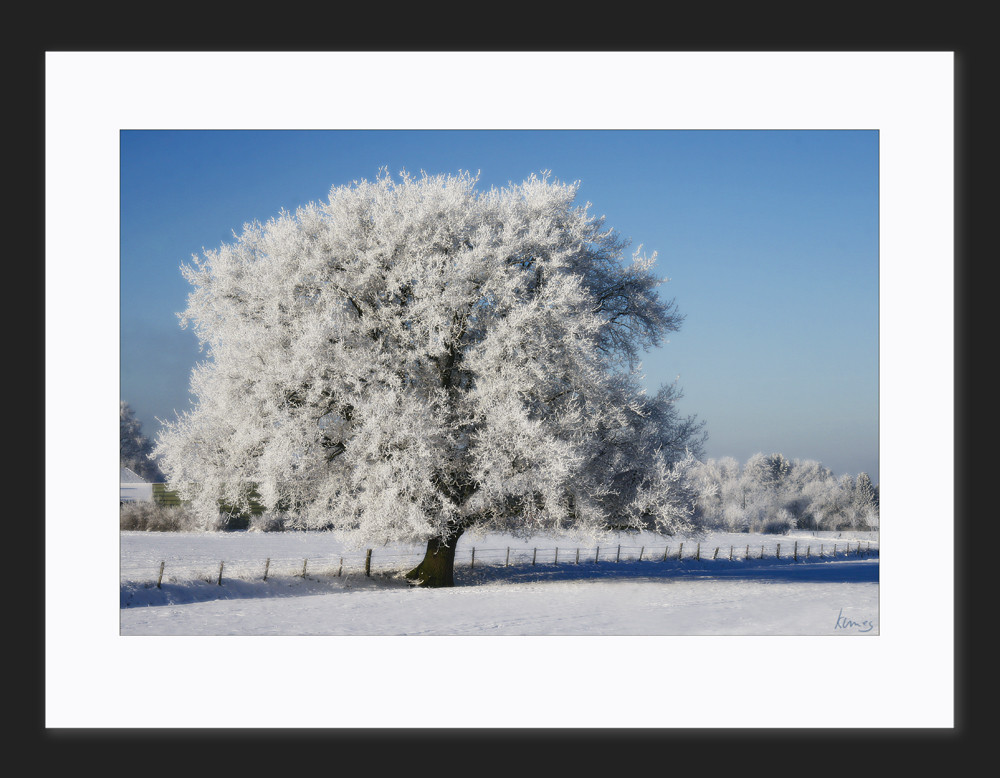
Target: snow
[{"x": 500, "y": 591}]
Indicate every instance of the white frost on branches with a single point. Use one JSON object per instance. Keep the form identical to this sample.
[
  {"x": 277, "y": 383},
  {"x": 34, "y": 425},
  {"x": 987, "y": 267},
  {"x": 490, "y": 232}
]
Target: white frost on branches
[
  {"x": 774, "y": 494},
  {"x": 415, "y": 357}
]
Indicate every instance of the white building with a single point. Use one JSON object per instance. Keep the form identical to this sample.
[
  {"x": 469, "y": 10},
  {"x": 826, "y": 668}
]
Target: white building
[{"x": 134, "y": 488}]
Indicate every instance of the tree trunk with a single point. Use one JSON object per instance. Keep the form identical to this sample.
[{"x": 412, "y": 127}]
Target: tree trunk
[{"x": 438, "y": 566}]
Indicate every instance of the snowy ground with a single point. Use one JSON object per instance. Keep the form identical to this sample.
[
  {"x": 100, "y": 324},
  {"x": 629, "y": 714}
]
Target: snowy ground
[{"x": 723, "y": 584}]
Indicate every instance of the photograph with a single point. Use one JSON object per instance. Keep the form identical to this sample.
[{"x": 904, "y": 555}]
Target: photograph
[{"x": 601, "y": 382}]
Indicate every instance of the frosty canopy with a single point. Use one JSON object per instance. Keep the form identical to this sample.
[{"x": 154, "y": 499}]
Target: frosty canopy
[{"x": 415, "y": 357}]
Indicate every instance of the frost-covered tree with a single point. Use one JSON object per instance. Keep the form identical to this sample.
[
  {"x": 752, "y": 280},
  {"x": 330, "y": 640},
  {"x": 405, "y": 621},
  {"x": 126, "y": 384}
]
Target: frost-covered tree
[
  {"x": 135, "y": 449},
  {"x": 804, "y": 479},
  {"x": 414, "y": 358},
  {"x": 865, "y": 503}
]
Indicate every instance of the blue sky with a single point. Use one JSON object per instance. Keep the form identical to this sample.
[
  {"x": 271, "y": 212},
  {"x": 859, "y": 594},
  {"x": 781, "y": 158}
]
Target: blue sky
[{"x": 770, "y": 240}]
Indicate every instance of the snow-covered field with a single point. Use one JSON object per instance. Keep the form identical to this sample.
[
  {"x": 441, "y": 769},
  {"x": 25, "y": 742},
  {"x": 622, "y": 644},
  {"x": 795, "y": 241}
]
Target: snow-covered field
[{"x": 248, "y": 583}]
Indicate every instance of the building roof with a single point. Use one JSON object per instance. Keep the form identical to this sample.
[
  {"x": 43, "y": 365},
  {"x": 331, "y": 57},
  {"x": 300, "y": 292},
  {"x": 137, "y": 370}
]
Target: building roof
[{"x": 129, "y": 477}]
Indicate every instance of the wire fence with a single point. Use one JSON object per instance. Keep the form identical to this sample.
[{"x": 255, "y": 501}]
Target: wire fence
[{"x": 369, "y": 562}]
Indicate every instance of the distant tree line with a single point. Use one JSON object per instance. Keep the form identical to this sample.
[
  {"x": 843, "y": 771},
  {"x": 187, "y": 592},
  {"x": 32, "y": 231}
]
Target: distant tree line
[{"x": 769, "y": 493}]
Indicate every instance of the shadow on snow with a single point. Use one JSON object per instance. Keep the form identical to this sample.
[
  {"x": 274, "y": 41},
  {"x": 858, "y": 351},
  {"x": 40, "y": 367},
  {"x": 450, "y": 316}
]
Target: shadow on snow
[{"x": 814, "y": 570}]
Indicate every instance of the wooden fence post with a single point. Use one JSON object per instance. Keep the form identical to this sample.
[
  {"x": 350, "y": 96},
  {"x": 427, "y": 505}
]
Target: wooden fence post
[
  {"x": 341, "y": 568},
  {"x": 534, "y": 554},
  {"x": 220, "y": 573},
  {"x": 368, "y": 562},
  {"x": 578, "y": 556},
  {"x": 618, "y": 555},
  {"x": 777, "y": 554},
  {"x": 716, "y": 554},
  {"x": 267, "y": 565},
  {"x": 761, "y": 550},
  {"x": 795, "y": 551},
  {"x": 808, "y": 549},
  {"x": 507, "y": 560},
  {"x": 730, "y": 553},
  {"x": 597, "y": 555},
  {"x": 557, "y": 556},
  {"x": 680, "y": 550},
  {"x": 640, "y": 552},
  {"x": 160, "y": 578},
  {"x": 747, "y": 555},
  {"x": 697, "y": 552},
  {"x": 665, "y": 550},
  {"x": 304, "y": 563},
  {"x": 472, "y": 566}
]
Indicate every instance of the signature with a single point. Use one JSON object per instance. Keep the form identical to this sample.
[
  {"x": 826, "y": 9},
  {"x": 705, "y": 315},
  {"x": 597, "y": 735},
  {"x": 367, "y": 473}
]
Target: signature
[{"x": 845, "y": 623}]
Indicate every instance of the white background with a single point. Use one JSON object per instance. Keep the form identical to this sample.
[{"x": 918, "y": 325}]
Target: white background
[{"x": 902, "y": 678}]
